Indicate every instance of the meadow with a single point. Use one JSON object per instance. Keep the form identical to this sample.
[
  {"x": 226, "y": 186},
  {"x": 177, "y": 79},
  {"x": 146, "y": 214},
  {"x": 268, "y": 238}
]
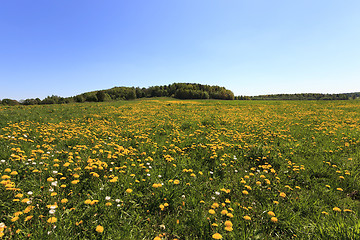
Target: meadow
[{"x": 170, "y": 169}]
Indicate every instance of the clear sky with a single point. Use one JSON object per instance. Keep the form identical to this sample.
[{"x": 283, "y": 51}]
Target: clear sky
[{"x": 252, "y": 47}]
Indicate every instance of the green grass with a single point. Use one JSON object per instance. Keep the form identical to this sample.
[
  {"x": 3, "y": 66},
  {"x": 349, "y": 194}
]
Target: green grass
[{"x": 308, "y": 150}]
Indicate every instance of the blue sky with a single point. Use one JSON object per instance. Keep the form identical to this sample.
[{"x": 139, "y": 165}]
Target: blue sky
[{"x": 251, "y": 47}]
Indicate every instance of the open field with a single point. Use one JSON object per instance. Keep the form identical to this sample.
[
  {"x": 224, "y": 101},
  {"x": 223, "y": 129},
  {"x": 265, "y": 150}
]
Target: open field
[{"x": 171, "y": 169}]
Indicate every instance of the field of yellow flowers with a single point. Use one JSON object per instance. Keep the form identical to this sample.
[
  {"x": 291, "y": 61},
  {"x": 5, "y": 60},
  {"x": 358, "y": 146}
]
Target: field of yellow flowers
[{"x": 170, "y": 169}]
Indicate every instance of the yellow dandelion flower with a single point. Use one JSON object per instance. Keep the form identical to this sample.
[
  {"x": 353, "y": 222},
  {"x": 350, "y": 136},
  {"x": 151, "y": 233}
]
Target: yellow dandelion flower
[
  {"x": 75, "y": 181},
  {"x": 336, "y": 209},
  {"x": 129, "y": 190},
  {"x": 228, "y": 223},
  {"x": 50, "y": 179},
  {"x": 52, "y": 220},
  {"x": 230, "y": 215},
  {"x": 64, "y": 200},
  {"x": 274, "y": 219},
  {"x": 224, "y": 212},
  {"x": 99, "y": 229},
  {"x": 215, "y": 205},
  {"x": 217, "y": 236},
  {"x": 282, "y": 194},
  {"x": 247, "y": 218},
  {"x": 271, "y": 213},
  {"x": 211, "y": 211}
]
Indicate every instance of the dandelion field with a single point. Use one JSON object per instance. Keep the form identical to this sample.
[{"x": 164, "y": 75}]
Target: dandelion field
[{"x": 170, "y": 169}]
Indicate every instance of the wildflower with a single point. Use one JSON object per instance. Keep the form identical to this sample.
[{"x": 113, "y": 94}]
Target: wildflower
[
  {"x": 176, "y": 181},
  {"x": 87, "y": 201},
  {"x": 52, "y": 220},
  {"x": 75, "y": 182},
  {"x": 224, "y": 212},
  {"x": 211, "y": 211},
  {"x": 347, "y": 210},
  {"x": 50, "y": 179},
  {"x": 282, "y": 194},
  {"x": 336, "y": 209},
  {"x": 228, "y": 223},
  {"x": 271, "y": 213},
  {"x": 64, "y": 200},
  {"x": 108, "y": 204},
  {"x": 325, "y": 213},
  {"x": 230, "y": 215},
  {"x": 28, "y": 218},
  {"x": 245, "y": 192},
  {"x": 129, "y": 190},
  {"x": 247, "y": 218},
  {"x": 99, "y": 229},
  {"x": 217, "y": 236},
  {"x": 229, "y": 229},
  {"x": 274, "y": 219}
]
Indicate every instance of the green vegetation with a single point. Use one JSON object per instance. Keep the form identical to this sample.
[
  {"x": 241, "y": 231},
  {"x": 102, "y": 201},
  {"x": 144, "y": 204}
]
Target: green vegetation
[
  {"x": 175, "y": 90},
  {"x": 180, "y": 169}
]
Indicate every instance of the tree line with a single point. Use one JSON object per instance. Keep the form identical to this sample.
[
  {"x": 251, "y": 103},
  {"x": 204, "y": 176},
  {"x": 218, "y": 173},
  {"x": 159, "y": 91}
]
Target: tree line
[
  {"x": 306, "y": 96},
  {"x": 175, "y": 90}
]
